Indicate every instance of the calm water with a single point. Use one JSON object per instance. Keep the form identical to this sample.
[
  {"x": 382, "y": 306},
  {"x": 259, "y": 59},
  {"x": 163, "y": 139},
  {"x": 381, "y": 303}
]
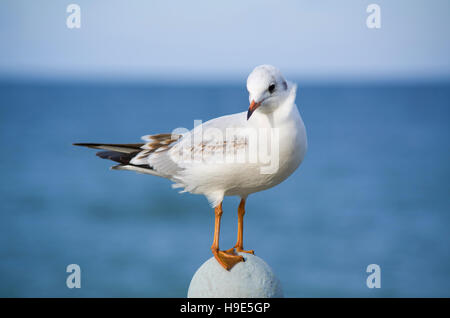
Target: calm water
[{"x": 374, "y": 188}]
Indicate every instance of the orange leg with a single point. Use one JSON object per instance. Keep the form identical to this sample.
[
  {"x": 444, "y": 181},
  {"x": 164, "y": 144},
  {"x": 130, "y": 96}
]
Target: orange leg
[
  {"x": 225, "y": 258},
  {"x": 239, "y": 247},
  {"x": 240, "y": 241}
]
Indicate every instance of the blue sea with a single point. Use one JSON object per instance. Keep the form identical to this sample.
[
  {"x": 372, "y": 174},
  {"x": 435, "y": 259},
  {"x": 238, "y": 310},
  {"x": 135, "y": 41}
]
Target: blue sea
[{"x": 373, "y": 189}]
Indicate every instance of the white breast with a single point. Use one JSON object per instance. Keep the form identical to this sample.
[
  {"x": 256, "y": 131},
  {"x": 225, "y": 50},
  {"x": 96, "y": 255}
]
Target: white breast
[{"x": 290, "y": 136}]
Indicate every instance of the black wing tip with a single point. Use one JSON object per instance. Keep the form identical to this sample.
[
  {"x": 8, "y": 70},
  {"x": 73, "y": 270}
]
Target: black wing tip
[
  {"x": 122, "y": 158},
  {"x": 136, "y": 146},
  {"x": 115, "y": 156},
  {"x": 82, "y": 144}
]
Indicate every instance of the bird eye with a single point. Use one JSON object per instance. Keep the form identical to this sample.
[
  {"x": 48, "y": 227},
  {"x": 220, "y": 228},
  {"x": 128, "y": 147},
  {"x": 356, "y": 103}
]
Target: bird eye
[{"x": 271, "y": 88}]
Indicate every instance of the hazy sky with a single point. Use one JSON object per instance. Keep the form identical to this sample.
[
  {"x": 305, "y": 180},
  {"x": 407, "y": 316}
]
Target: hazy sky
[{"x": 224, "y": 39}]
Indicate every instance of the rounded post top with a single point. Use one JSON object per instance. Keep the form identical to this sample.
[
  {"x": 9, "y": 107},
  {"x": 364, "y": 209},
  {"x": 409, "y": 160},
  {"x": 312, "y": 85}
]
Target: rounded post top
[{"x": 250, "y": 279}]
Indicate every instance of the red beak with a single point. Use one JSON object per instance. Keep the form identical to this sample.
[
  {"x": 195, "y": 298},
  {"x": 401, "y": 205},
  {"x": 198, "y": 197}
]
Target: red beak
[{"x": 252, "y": 108}]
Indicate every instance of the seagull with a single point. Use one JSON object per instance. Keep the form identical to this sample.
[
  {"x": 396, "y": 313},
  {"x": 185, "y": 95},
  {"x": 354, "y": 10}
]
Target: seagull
[{"x": 233, "y": 155}]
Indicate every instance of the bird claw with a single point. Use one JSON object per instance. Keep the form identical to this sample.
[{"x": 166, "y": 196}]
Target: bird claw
[
  {"x": 227, "y": 259},
  {"x": 235, "y": 249}
]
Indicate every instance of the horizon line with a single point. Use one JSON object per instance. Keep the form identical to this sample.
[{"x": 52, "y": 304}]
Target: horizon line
[{"x": 216, "y": 80}]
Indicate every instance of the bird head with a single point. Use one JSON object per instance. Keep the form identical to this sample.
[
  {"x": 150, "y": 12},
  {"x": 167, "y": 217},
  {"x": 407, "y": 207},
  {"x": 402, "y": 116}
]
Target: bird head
[{"x": 267, "y": 89}]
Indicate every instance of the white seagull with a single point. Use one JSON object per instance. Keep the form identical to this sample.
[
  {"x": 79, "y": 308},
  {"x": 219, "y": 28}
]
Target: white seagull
[{"x": 234, "y": 155}]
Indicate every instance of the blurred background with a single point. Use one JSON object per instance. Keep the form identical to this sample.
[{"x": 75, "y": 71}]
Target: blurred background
[{"x": 373, "y": 189}]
